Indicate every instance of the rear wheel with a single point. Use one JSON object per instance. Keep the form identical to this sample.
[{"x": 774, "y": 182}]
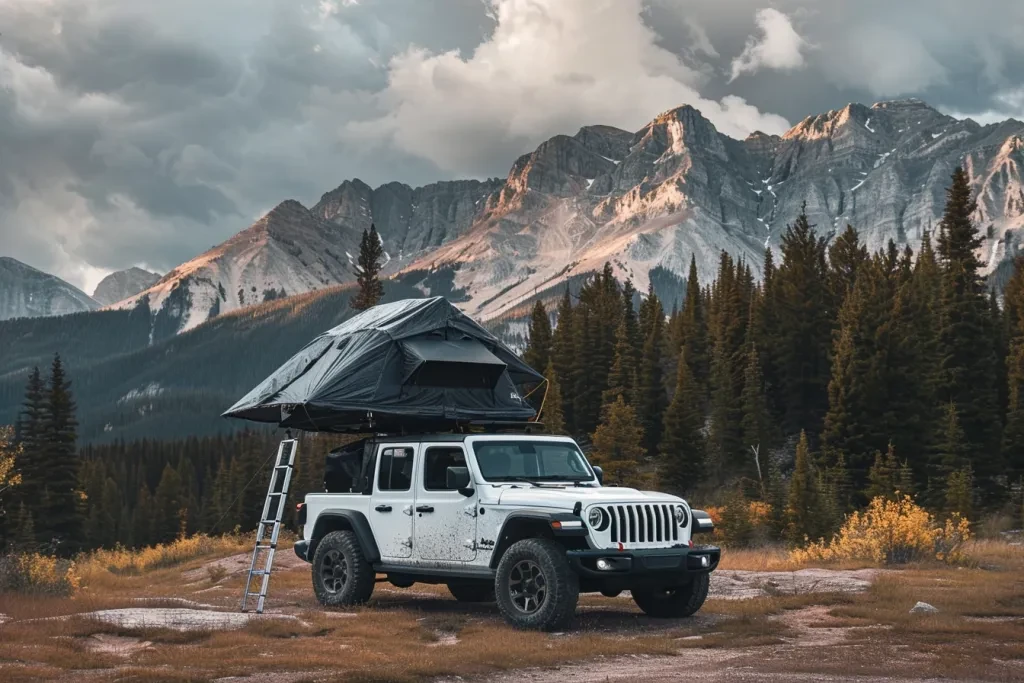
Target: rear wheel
[
  {"x": 673, "y": 602},
  {"x": 341, "y": 575},
  {"x": 472, "y": 591},
  {"x": 535, "y": 587}
]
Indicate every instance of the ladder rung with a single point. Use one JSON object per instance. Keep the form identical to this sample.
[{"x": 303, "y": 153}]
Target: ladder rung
[
  {"x": 255, "y": 595},
  {"x": 270, "y": 521},
  {"x": 266, "y": 547}
]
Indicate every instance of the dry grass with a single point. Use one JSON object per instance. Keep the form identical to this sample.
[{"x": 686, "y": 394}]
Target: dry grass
[{"x": 421, "y": 633}]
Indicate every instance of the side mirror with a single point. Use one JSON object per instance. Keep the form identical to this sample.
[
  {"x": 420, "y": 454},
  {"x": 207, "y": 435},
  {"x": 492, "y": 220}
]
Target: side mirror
[
  {"x": 457, "y": 478},
  {"x": 600, "y": 474}
]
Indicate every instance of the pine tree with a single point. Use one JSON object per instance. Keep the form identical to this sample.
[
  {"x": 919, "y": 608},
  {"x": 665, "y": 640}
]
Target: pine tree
[
  {"x": 562, "y": 352},
  {"x": 801, "y": 332},
  {"x": 167, "y": 506},
  {"x": 538, "y": 350},
  {"x": 846, "y": 257},
  {"x": 683, "y": 450},
  {"x": 805, "y": 511},
  {"x": 954, "y": 449},
  {"x": 855, "y": 425},
  {"x": 756, "y": 424},
  {"x": 651, "y": 396},
  {"x": 31, "y": 462},
  {"x": 967, "y": 357},
  {"x": 622, "y": 379},
  {"x": 729, "y": 316},
  {"x": 554, "y": 421},
  {"x": 1013, "y": 436},
  {"x": 371, "y": 251},
  {"x": 960, "y": 492},
  {"x": 143, "y": 531},
  {"x": 63, "y": 516},
  {"x": 695, "y": 328},
  {"x": 884, "y": 477},
  {"x": 617, "y": 445}
]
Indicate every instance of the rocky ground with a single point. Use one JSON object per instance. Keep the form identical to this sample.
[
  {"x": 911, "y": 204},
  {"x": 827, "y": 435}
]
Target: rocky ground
[{"x": 807, "y": 624}]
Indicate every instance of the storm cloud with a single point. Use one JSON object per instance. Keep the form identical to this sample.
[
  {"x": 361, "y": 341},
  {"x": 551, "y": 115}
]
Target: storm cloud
[{"x": 143, "y": 133}]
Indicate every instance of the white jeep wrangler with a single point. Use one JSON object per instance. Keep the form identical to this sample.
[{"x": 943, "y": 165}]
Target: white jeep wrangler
[{"x": 519, "y": 519}]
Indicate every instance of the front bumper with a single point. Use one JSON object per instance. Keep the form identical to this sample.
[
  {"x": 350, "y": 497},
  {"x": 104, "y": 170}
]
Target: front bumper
[
  {"x": 659, "y": 562},
  {"x": 301, "y": 548}
]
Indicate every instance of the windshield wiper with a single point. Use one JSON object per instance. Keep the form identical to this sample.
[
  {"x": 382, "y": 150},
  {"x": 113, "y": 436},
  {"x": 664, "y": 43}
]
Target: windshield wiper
[
  {"x": 536, "y": 481},
  {"x": 516, "y": 480}
]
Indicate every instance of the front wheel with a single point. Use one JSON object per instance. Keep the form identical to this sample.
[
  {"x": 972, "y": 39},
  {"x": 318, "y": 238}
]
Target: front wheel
[
  {"x": 673, "y": 602},
  {"x": 535, "y": 587},
  {"x": 341, "y": 575}
]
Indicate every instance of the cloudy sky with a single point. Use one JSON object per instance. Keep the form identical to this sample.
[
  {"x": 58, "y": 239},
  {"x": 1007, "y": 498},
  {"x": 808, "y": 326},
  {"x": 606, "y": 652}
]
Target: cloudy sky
[{"x": 142, "y": 132}]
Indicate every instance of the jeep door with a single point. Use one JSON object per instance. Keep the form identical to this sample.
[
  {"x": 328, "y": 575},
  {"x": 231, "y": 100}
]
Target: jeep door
[
  {"x": 391, "y": 515},
  {"x": 445, "y": 527}
]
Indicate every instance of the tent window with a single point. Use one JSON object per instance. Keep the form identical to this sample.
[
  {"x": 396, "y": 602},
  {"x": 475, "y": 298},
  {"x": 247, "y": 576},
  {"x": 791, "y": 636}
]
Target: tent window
[{"x": 395, "y": 470}]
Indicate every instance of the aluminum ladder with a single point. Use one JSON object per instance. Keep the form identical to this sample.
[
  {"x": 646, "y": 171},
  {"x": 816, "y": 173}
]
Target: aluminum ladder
[{"x": 270, "y": 525}]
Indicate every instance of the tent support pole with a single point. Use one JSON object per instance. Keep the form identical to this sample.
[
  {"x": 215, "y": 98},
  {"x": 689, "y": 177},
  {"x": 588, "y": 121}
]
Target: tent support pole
[{"x": 544, "y": 384}]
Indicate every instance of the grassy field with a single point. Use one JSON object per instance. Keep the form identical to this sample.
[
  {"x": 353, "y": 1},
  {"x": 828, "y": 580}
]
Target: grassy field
[{"x": 422, "y": 633}]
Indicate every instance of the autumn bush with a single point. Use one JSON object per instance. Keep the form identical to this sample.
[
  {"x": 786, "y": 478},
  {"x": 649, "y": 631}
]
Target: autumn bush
[
  {"x": 127, "y": 562},
  {"x": 37, "y": 574},
  {"x": 891, "y": 532},
  {"x": 742, "y": 523}
]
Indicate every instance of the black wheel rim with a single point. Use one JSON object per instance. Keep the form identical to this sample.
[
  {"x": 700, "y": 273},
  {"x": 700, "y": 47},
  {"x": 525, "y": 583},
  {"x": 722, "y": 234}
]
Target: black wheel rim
[
  {"x": 665, "y": 593},
  {"x": 527, "y": 587},
  {"x": 334, "y": 571}
]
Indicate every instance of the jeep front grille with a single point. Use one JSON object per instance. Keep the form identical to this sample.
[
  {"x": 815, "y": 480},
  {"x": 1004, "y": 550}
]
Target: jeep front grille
[{"x": 642, "y": 523}]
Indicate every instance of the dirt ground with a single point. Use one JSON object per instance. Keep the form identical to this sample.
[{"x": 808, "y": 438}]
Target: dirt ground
[{"x": 810, "y": 624}]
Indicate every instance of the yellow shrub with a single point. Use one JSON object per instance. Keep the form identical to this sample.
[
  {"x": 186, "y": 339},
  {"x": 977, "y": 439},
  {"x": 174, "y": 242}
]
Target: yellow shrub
[
  {"x": 891, "y": 532},
  {"x": 35, "y": 573},
  {"x": 134, "y": 562}
]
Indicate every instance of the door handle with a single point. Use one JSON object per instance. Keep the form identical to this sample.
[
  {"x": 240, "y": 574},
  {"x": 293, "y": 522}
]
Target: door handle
[
  {"x": 424, "y": 508},
  {"x": 383, "y": 508}
]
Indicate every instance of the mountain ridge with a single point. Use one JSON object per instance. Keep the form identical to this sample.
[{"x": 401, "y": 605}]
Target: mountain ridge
[{"x": 674, "y": 189}]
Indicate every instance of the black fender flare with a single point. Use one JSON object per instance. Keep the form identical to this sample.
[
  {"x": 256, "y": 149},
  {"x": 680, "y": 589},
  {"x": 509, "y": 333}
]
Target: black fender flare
[
  {"x": 546, "y": 518},
  {"x": 702, "y": 523},
  {"x": 333, "y": 520}
]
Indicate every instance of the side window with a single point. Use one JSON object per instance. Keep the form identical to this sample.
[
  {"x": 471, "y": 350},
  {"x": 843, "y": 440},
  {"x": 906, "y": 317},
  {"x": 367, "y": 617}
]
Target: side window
[
  {"x": 436, "y": 464},
  {"x": 395, "y": 472}
]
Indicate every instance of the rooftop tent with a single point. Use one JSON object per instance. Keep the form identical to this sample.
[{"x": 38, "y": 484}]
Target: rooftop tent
[{"x": 408, "y": 365}]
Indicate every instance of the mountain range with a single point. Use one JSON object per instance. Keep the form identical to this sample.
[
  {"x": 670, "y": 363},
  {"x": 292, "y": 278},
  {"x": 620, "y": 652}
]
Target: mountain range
[{"x": 645, "y": 201}]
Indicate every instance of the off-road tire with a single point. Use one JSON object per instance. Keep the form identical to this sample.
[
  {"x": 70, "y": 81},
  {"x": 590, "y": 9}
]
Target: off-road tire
[
  {"x": 560, "y": 585},
  {"x": 674, "y": 602},
  {"x": 341, "y": 575},
  {"x": 476, "y": 591}
]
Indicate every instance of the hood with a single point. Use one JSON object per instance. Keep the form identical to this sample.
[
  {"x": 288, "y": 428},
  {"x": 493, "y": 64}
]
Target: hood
[{"x": 567, "y": 497}]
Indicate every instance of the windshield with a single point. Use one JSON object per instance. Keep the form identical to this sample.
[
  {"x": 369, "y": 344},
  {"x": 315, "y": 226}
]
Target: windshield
[{"x": 531, "y": 461}]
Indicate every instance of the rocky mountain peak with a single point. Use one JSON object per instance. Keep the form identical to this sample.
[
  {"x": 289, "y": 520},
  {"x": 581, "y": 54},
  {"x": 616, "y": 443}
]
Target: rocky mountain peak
[
  {"x": 123, "y": 284},
  {"x": 26, "y": 292}
]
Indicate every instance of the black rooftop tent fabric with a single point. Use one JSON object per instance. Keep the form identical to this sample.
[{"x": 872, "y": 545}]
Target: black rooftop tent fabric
[{"x": 416, "y": 363}]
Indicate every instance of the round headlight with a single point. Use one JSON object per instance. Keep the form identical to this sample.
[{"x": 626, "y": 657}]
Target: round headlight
[
  {"x": 595, "y": 517},
  {"x": 680, "y": 513}
]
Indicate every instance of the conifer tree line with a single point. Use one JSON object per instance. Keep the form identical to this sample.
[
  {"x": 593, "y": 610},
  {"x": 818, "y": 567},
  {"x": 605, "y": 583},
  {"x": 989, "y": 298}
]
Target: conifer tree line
[
  {"x": 840, "y": 375},
  {"x": 133, "y": 494}
]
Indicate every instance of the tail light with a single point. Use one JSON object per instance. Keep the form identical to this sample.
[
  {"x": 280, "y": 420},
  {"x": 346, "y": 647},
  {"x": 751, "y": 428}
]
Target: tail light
[{"x": 300, "y": 511}]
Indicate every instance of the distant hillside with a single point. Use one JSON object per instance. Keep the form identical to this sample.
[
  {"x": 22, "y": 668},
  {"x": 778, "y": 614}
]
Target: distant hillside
[{"x": 136, "y": 379}]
